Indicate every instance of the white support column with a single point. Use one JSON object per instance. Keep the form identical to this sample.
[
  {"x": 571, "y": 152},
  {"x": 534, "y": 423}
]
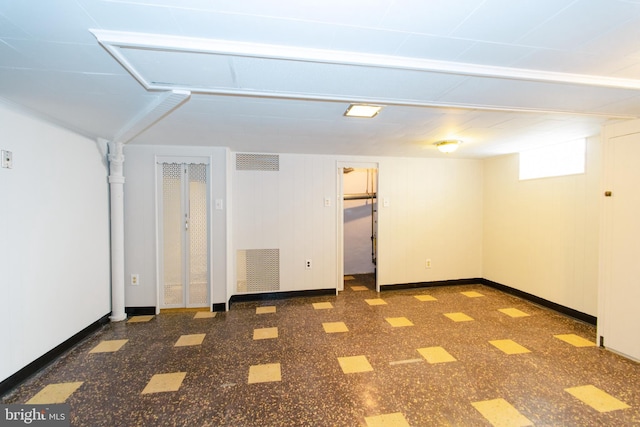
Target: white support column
[{"x": 116, "y": 182}]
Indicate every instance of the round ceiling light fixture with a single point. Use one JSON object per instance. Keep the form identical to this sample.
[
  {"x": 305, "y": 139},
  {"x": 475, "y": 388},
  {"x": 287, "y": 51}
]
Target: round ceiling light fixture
[{"x": 448, "y": 145}]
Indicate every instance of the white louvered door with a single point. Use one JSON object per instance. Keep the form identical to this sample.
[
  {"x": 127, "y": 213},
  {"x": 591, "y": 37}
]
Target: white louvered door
[{"x": 184, "y": 235}]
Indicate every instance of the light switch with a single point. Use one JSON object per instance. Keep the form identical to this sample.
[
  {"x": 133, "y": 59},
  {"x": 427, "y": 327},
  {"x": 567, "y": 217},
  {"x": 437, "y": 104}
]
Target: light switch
[
  {"x": 219, "y": 204},
  {"x": 385, "y": 202},
  {"x": 7, "y": 159}
]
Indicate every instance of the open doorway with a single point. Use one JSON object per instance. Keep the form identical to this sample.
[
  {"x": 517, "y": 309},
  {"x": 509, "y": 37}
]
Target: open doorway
[{"x": 358, "y": 221}]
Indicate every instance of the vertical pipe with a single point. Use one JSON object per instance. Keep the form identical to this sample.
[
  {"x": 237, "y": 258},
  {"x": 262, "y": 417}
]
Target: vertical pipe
[
  {"x": 373, "y": 230},
  {"x": 116, "y": 184}
]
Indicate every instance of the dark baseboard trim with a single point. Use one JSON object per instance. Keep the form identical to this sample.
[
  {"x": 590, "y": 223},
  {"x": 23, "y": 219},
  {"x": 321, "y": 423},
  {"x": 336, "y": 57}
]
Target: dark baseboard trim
[
  {"x": 140, "y": 311},
  {"x": 280, "y": 295},
  {"x": 146, "y": 311},
  {"x": 50, "y": 356},
  {"x": 476, "y": 281},
  {"x": 592, "y": 320},
  {"x": 587, "y": 318}
]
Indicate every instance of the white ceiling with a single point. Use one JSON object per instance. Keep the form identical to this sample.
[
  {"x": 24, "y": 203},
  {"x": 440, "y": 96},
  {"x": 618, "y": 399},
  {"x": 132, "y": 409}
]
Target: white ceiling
[{"x": 253, "y": 75}]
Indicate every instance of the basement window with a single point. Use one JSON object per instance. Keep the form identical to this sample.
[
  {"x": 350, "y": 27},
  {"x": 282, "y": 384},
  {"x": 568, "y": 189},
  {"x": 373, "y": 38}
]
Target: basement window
[{"x": 567, "y": 158}]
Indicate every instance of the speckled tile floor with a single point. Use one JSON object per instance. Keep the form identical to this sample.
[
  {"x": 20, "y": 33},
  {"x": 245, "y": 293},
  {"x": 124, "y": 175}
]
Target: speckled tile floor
[{"x": 445, "y": 356}]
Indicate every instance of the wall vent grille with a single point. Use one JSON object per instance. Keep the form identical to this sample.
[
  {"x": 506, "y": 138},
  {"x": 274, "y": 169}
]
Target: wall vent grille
[
  {"x": 258, "y": 270},
  {"x": 257, "y": 162}
]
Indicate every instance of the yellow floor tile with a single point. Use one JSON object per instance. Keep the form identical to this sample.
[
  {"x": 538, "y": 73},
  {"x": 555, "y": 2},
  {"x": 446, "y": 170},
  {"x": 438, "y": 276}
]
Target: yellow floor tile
[
  {"x": 426, "y": 298},
  {"x": 138, "y": 319},
  {"x": 108, "y": 346},
  {"x": 359, "y": 288},
  {"x": 349, "y": 278},
  {"x": 265, "y": 310},
  {"x": 500, "y": 413},
  {"x": 436, "y": 355},
  {"x": 509, "y": 347},
  {"x": 575, "y": 340},
  {"x": 269, "y": 372},
  {"x": 513, "y": 312},
  {"x": 387, "y": 420},
  {"x": 265, "y": 333},
  {"x": 598, "y": 399},
  {"x": 54, "y": 393},
  {"x": 458, "y": 317},
  {"x": 160, "y": 383},
  {"x": 187, "y": 340},
  {"x": 472, "y": 294},
  {"x": 397, "y": 322},
  {"x": 354, "y": 364},
  {"x": 332, "y": 327},
  {"x": 322, "y": 305},
  {"x": 376, "y": 301},
  {"x": 205, "y": 315}
]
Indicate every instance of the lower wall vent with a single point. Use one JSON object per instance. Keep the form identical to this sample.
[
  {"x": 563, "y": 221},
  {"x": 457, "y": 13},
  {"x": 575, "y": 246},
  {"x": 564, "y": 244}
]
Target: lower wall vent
[{"x": 258, "y": 270}]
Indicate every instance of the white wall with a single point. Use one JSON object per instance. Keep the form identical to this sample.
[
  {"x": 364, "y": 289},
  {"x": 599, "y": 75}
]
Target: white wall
[
  {"x": 541, "y": 235},
  {"x": 54, "y": 245},
  {"x": 140, "y": 220},
  {"x": 435, "y": 211},
  {"x": 285, "y": 210}
]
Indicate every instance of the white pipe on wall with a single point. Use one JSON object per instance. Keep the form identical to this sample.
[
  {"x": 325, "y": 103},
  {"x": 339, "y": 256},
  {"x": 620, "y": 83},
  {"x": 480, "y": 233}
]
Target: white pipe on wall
[{"x": 116, "y": 184}]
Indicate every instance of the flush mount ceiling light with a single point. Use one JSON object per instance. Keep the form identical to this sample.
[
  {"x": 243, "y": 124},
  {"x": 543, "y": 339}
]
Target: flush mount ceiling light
[
  {"x": 448, "y": 145},
  {"x": 363, "y": 110}
]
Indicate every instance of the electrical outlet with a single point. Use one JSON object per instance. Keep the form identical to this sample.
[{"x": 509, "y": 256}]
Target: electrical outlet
[
  {"x": 427, "y": 264},
  {"x": 307, "y": 264},
  {"x": 327, "y": 201},
  {"x": 135, "y": 279}
]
